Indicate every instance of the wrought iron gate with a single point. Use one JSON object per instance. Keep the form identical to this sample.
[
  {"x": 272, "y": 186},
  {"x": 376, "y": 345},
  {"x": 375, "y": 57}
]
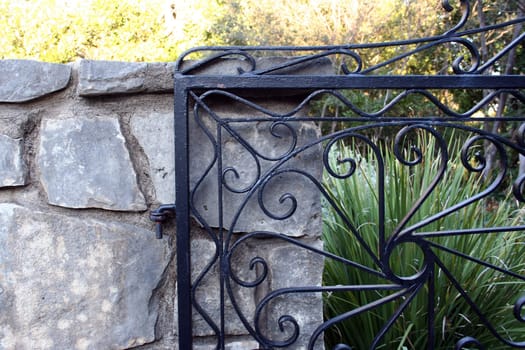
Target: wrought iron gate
[{"x": 369, "y": 144}]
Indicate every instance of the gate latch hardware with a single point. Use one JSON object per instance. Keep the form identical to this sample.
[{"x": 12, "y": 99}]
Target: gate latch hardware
[{"x": 160, "y": 215}]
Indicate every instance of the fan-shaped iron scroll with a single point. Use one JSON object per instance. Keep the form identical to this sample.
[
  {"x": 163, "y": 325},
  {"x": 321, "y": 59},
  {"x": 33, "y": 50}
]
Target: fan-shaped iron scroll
[{"x": 443, "y": 140}]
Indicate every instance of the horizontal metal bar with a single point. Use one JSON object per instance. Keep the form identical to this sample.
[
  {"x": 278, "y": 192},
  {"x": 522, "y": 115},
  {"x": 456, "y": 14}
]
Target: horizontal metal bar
[
  {"x": 437, "y": 120},
  {"x": 356, "y": 81}
]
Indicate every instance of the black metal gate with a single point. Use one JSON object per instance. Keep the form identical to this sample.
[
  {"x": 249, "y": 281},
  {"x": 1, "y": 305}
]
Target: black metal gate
[{"x": 451, "y": 145}]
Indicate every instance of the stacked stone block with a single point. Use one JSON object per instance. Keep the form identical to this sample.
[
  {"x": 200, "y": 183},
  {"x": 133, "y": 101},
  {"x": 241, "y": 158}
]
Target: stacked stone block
[{"x": 86, "y": 150}]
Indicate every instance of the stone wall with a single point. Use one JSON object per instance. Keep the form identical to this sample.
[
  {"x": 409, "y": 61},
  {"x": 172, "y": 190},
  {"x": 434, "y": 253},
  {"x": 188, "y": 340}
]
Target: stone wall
[{"x": 86, "y": 150}]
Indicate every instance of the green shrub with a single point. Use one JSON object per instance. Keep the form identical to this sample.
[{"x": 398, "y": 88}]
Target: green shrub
[{"x": 357, "y": 205}]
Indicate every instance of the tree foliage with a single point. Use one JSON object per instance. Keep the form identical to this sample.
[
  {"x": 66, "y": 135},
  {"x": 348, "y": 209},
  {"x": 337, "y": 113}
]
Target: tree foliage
[
  {"x": 317, "y": 22},
  {"x": 159, "y": 30},
  {"x": 64, "y": 30}
]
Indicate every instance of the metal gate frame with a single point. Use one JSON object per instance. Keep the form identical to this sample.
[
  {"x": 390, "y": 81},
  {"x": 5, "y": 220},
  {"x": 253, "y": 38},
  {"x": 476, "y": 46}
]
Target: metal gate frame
[{"x": 189, "y": 84}]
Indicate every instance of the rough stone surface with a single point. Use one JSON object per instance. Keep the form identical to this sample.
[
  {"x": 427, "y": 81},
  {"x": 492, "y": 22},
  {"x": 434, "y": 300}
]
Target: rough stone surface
[
  {"x": 293, "y": 267},
  {"x": 13, "y": 170},
  {"x": 18, "y": 124},
  {"x": 154, "y": 133},
  {"x": 67, "y": 283},
  {"x": 244, "y": 344},
  {"x": 110, "y": 77},
  {"x": 233, "y": 66},
  {"x": 207, "y": 293},
  {"x": 289, "y": 266},
  {"x": 25, "y": 80},
  {"x": 96, "y": 279},
  {"x": 242, "y": 167},
  {"x": 84, "y": 163}
]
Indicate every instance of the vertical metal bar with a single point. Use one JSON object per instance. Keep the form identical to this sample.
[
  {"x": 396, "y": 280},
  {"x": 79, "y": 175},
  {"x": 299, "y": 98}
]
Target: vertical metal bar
[
  {"x": 183, "y": 214},
  {"x": 221, "y": 238}
]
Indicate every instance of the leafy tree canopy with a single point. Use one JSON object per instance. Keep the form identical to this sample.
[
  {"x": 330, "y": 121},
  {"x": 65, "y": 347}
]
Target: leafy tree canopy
[
  {"x": 64, "y": 30},
  {"x": 159, "y": 30}
]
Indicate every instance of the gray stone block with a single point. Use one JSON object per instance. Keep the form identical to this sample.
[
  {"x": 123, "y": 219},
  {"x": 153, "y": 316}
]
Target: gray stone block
[
  {"x": 207, "y": 291},
  {"x": 112, "y": 77},
  {"x": 230, "y": 344},
  {"x": 71, "y": 283},
  {"x": 154, "y": 132},
  {"x": 288, "y": 266},
  {"x": 84, "y": 163},
  {"x": 242, "y": 345},
  {"x": 13, "y": 170},
  {"x": 292, "y": 267},
  {"x": 25, "y": 80},
  {"x": 245, "y": 166},
  {"x": 234, "y": 66}
]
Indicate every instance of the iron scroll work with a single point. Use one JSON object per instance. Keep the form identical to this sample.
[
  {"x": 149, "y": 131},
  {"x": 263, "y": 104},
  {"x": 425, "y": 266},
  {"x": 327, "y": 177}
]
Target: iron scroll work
[{"x": 390, "y": 133}]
